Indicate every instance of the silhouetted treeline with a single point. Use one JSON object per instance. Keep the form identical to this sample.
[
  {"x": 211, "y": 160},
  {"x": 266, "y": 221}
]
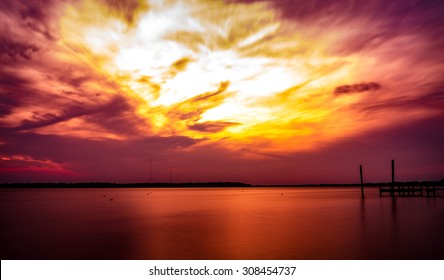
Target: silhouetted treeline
[{"x": 202, "y": 185}]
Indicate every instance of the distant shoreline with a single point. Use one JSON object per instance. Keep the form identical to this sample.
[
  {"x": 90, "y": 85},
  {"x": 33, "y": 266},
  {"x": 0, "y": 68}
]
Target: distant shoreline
[{"x": 198, "y": 185}]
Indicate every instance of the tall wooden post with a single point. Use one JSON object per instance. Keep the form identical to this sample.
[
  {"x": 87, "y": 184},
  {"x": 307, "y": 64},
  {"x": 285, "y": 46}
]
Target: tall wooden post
[
  {"x": 392, "y": 187},
  {"x": 362, "y": 181}
]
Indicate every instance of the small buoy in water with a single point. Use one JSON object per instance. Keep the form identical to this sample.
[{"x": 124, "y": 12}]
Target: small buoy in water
[
  {"x": 111, "y": 199},
  {"x": 282, "y": 194},
  {"x": 103, "y": 195}
]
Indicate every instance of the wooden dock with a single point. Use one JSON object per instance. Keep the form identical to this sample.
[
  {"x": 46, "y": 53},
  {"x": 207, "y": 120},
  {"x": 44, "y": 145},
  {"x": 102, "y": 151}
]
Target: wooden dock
[{"x": 410, "y": 190}]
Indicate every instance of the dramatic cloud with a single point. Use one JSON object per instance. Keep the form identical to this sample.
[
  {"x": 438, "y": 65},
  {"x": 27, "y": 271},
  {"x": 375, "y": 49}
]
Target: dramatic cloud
[
  {"x": 223, "y": 84},
  {"x": 211, "y": 126},
  {"x": 361, "y": 87},
  {"x": 15, "y": 49}
]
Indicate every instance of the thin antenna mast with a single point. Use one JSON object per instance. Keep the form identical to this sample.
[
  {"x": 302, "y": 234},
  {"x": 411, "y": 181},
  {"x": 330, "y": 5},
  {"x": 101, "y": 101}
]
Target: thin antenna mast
[{"x": 151, "y": 169}]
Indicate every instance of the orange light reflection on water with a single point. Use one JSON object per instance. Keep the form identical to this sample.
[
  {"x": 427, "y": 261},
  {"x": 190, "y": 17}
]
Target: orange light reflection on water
[{"x": 253, "y": 223}]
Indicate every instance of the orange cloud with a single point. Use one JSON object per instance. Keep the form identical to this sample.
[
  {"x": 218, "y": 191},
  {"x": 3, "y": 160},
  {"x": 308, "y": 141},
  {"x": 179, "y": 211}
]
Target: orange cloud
[{"x": 14, "y": 163}]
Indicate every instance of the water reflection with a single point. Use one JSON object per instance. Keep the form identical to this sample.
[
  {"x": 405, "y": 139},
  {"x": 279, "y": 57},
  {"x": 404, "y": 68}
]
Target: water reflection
[{"x": 257, "y": 223}]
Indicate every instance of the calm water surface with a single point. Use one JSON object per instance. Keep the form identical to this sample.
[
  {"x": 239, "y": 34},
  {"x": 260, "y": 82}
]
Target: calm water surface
[{"x": 225, "y": 223}]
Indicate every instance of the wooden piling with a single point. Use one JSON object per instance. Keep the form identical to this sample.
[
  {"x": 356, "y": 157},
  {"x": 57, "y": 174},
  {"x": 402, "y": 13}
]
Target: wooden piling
[
  {"x": 392, "y": 187},
  {"x": 362, "y": 181}
]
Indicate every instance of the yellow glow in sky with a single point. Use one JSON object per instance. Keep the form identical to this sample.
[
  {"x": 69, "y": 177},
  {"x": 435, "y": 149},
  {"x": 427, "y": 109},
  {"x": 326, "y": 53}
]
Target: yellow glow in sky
[{"x": 212, "y": 70}]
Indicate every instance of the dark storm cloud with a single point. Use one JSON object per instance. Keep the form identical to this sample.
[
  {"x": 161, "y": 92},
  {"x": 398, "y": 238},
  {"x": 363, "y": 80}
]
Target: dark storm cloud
[
  {"x": 361, "y": 87},
  {"x": 10, "y": 91},
  {"x": 21, "y": 43},
  {"x": 111, "y": 112},
  {"x": 10, "y": 80},
  {"x": 39, "y": 120},
  {"x": 118, "y": 116},
  {"x": 33, "y": 15},
  {"x": 15, "y": 50},
  {"x": 7, "y": 103},
  {"x": 215, "y": 126},
  {"x": 74, "y": 80},
  {"x": 113, "y": 116},
  {"x": 24, "y": 9},
  {"x": 193, "y": 108}
]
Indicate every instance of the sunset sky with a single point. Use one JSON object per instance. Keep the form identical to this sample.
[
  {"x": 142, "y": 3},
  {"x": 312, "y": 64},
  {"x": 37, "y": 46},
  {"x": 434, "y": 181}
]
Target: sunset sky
[{"x": 263, "y": 92}]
